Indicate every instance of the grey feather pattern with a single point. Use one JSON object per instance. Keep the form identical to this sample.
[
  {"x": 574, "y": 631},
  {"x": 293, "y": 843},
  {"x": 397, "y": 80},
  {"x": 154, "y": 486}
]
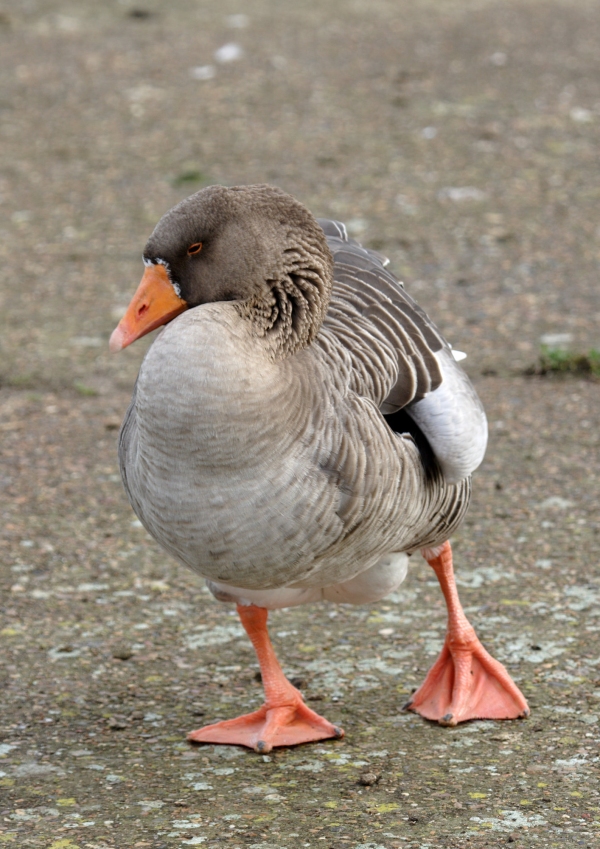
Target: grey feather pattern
[
  {"x": 264, "y": 474},
  {"x": 391, "y": 340},
  {"x": 399, "y": 357}
]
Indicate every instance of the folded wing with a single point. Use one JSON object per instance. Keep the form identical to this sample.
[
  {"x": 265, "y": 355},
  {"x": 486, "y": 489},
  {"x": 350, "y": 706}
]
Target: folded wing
[{"x": 398, "y": 358}]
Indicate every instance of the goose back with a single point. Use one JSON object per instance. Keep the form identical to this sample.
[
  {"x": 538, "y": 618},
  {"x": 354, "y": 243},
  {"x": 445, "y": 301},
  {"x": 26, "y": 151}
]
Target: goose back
[{"x": 399, "y": 358}]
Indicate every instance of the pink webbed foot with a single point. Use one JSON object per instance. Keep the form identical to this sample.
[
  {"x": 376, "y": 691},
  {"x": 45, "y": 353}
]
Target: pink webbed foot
[
  {"x": 284, "y": 719},
  {"x": 267, "y": 727},
  {"x": 465, "y": 682}
]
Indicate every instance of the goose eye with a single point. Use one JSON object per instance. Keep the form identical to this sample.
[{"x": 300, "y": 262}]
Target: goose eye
[{"x": 194, "y": 249}]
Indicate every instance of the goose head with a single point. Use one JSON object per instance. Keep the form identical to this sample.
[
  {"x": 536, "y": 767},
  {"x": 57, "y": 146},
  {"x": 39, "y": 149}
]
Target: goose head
[{"x": 253, "y": 245}]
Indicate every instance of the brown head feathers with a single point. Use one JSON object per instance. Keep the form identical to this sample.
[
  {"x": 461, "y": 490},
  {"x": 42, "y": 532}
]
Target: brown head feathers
[{"x": 260, "y": 248}]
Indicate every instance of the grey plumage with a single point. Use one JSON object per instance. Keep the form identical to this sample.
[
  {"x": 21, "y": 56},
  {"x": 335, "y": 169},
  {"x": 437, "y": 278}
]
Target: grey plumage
[
  {"x": 255, "y": 448},
  {"x": 388, "y": 334}
]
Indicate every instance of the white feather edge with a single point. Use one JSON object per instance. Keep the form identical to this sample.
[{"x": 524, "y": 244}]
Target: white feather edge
[
  {"x": 453, "y": 420},
  {"x": 367, "y": 587},
  {"x": 158, "y": 261}
]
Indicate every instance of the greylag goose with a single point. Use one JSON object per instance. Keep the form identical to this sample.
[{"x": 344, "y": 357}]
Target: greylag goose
[{"x": 297, "y": 430}]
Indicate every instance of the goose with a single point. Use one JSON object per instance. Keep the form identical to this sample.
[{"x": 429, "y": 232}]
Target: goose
[{"x": 297, "y": 430}]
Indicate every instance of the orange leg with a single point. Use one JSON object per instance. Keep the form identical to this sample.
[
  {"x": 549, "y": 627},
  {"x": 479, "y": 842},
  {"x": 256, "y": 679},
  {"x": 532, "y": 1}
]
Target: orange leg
[
  {"x": 465, "y": 682},
  {"x": 284, "y": 719}
]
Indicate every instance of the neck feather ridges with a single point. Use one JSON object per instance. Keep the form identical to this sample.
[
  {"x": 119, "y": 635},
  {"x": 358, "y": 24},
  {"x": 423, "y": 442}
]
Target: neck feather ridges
[{"x": 289, "y": 315}]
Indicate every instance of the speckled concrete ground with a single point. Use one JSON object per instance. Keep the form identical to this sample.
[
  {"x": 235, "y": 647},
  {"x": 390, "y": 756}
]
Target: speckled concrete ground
[{"x": 462, "y": 140}]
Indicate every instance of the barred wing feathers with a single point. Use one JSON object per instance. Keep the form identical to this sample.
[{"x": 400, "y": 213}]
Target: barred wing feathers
[{"x": 399, "y": 359}]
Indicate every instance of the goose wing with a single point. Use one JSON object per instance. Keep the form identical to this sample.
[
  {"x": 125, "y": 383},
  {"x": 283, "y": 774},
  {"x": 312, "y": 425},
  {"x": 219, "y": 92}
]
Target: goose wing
[{"x": 398, "y": 357}]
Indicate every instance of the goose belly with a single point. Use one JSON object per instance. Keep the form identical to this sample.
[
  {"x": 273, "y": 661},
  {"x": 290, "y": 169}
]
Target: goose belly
[
  {"x": 219, "y": 465},
  {"x": 256, "y": 527},
  {"x": 261, "y": 475},
  {"x": 280, "y": 523}
]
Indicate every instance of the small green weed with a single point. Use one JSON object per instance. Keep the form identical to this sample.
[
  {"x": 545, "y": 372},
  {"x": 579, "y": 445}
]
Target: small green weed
[
  {"x": 562, "y": 361},
  {"x": 21, "y": 381},
  {"x": 191, "y": 175},
  {"x": 82, "y": 389}
]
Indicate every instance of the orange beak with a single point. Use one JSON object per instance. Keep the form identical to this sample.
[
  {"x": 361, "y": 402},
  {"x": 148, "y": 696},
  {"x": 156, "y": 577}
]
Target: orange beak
[{"x": 154, "y": 304}]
